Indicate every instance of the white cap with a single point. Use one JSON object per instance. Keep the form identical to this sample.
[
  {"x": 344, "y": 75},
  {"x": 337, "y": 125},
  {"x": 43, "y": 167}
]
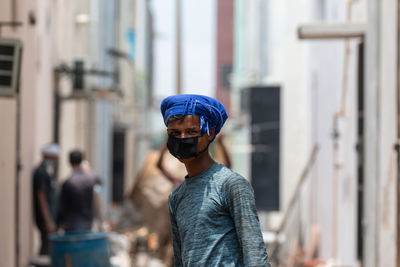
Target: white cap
[{"x": 51, "y": 150}]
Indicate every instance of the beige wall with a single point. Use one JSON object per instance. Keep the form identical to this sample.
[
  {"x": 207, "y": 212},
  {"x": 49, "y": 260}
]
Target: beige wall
[
  {"x": 55, "y": 38},
  {"x": 7, "y": 181},
  {"x": 35, "y": 124}
]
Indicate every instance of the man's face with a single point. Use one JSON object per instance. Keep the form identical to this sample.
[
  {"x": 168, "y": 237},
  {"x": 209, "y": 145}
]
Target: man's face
[
  {"x": 52, "y": 158},
  {"x": 189, "y": 127}
]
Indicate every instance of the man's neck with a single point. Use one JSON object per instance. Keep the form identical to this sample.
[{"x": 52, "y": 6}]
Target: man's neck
[
  {"x": 200, "y": 164},
  {"x": 76, "y": 168}
]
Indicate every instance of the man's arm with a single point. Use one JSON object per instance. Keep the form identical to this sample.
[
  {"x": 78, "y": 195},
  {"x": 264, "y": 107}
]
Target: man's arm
[
  {"x": 176, "y": 241},
  {"x": 98, "y": 206},
  {"x": 44, "y": 210},
  {"x": 241, "y": 203},
  {"x": 39, "y": 183},
  {"x": 61, "y": 208}
]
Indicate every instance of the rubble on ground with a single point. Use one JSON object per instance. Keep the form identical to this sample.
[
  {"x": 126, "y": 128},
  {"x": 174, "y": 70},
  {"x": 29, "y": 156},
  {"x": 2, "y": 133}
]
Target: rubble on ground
[{"x": 142, "y": 224}]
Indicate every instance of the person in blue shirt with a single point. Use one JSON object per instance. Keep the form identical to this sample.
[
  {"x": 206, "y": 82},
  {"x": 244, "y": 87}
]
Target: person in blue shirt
[{"x": 213, "y": 215}]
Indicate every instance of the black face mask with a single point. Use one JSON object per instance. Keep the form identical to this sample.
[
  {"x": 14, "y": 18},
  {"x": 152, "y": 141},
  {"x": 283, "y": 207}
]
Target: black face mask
[{"x": 184, "y": 148}]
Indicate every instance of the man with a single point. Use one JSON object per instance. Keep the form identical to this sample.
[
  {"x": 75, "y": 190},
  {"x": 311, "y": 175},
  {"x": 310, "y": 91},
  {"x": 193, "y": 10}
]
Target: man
[
  {"x": 44, "y": 199},
  {"x": 213, "y": 216},
  {"x": 76, "y": 205}
]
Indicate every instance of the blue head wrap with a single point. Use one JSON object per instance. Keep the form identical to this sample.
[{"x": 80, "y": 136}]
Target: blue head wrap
[{"x": 212, "y": 113}]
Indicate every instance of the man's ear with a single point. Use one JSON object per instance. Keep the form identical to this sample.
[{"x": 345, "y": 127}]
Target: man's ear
[{"x": 211, "y": 136}]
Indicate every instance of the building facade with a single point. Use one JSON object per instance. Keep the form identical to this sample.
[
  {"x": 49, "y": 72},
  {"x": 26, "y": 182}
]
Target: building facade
[
  {"x": 107, "y": 37},
  {"x": 339, "y": 105}
]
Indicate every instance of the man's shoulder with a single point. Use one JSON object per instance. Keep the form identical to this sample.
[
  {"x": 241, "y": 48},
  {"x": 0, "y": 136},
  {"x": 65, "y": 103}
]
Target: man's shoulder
[
  {"x": 176, "y": 191},
  {"x": 84, "y": 178},
  {"x": 229, "y": 176},
  {"x": 40, "y": 174},
  {"x": 39, "y": 170},
  {"x": 66, "y": 182},
  {"x": 234, "y": 182},
  {"x": 174, "y": 197}
]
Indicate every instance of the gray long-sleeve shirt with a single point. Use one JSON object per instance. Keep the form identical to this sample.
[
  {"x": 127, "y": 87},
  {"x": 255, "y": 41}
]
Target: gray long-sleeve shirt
[
  {"x": 214, "y": 221},
  {"x": 76, "y": 208}
]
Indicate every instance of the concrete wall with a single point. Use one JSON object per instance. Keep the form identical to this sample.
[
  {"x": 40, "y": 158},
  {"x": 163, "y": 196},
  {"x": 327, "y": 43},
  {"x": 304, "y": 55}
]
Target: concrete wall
[
  {"x": 124, "y": 115},
  {"x": 388, "y": 133},
  {"x": 330, "y": 69},
  {"x": 142, "y": 116},
  {"x": 332, "y": 84},
  {"x": 57, "y": 37},
  {"x": 319, "y": 80},
  {"x": 49, "y": 42},
  {"x": 380, "y": 169},
  {"x": 7, "y": 189},
  {"x": 267, "y": 52},
  {"x": 287, "y": 67},
  {"x": 35, "y": 124}
]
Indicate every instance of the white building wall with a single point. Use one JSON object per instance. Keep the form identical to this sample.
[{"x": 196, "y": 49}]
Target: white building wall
[
  {"x": 142, "y": 115},
  {"x": 124, "y": 116},
  {"x": 371, "y": 128},
  {"x": 312, "y": 75},
  {"x": 380, "y": 117},
  {"x": 73, "y": 42},
  {"x": 103, "y": 147},
  {"x": 288, "y": 69},
  {"x": 333, "y": 81},
  {"x": 387, "y": 134},
  {"x": 86, "y": 124},
  {"x": 381, "y": 103},
  {"x": 268, "y": 52},
  {"x": 326, "y": 87},
  {"x": 346, "y": 231}
]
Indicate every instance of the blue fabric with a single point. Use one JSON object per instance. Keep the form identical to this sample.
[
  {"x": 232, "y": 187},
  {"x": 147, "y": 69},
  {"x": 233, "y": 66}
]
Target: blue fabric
[
  {"x": 212, "y": 113},
  {"x": 214, "y": 221}
]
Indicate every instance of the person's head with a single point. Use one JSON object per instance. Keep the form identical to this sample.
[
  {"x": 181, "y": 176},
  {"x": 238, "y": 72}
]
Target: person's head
[
  {"x": 75, "y": 158},
  {"x": 192, "y": 121},
  {"x": 50, "y": 152}
]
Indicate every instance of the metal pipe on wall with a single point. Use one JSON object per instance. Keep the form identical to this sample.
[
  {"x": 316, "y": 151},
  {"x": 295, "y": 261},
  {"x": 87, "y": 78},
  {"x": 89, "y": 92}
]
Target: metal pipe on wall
[{"x": 14, "y": 10}]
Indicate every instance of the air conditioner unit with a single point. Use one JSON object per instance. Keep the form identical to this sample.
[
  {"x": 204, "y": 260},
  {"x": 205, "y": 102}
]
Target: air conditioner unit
[{"x": 10, "y": 61}]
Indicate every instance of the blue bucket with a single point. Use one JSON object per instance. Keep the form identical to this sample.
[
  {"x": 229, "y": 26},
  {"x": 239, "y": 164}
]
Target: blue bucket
[{"x": 80, "y": 249}]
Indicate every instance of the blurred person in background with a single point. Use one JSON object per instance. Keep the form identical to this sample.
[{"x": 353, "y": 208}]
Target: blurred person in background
[
  {"x": 100, "y": 222},
  {"x": 44, "y": 194},
  {"x": 77, "y": 207},
  {"x": 213, "y": 214}
]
